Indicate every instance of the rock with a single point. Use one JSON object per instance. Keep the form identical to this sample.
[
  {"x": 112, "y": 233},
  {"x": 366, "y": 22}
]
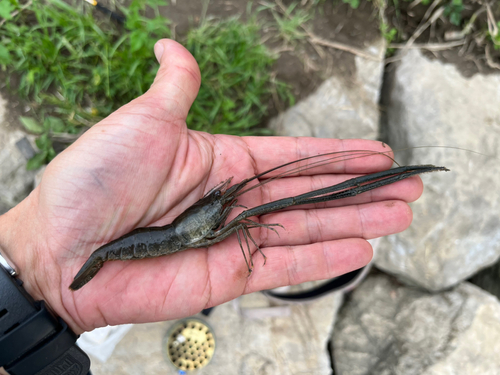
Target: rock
[
  {"x": 388, "y": 328},
  {"x": 15, "y": 181},
  {"x": 287, "y": 344},
  {"x": 456, "y": 226},
  {"x": 294, "y": 344},
  {"x": 341, "y": 107}
]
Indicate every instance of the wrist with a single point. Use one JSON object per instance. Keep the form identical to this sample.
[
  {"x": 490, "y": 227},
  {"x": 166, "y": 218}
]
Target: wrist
[
  {"x": 23, "y": 244},
  {"x": 17, "y": 242}
]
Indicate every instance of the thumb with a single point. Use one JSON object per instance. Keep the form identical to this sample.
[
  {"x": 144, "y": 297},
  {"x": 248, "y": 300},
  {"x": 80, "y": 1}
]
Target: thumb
[{"x": 177, "y": 81}]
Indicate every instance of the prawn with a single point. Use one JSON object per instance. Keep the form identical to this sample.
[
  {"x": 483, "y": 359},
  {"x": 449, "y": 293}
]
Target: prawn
[{"x": 203, "y": 223}]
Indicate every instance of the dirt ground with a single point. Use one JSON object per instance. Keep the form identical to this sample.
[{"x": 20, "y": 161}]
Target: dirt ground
[
  {"x": 469, "y": 58},
  {"x": 301, "y": 64},
  {"x": 304, "y": 68}
]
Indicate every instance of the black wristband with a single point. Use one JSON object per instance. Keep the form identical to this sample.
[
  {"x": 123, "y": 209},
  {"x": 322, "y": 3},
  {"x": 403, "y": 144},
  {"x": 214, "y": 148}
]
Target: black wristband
[{"x": 32, "y": 340}]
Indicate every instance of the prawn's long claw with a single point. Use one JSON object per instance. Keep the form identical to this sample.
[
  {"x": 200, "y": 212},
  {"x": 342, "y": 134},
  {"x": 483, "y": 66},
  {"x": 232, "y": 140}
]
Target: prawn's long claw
[{"x": 87, "y": 272}]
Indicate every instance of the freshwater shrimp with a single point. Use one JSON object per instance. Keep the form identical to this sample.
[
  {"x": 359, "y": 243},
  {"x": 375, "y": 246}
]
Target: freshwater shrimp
[{"x": 203, "y": 223}]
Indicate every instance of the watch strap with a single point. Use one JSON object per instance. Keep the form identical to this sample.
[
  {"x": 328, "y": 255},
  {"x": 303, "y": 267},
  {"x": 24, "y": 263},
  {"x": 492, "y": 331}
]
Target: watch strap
[{"x": 32, "y": 340}]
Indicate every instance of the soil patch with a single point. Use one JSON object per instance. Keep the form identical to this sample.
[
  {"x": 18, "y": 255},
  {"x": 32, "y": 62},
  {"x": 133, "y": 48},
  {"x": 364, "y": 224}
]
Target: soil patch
[
  {"x": 469, "y": 58},
  {"x": 13, "y": 108},
  {"x": 300, "y": 64}
]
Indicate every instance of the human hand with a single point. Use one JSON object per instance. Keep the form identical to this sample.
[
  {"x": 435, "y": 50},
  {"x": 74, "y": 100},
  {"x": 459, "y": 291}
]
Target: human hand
[{"x": 142, "y": 167}]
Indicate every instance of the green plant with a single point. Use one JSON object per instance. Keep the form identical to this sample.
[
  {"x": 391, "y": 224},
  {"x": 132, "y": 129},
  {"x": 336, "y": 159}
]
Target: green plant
[
  {"x": 353, "y": 3},
  {"x": 7, "y": 7},
  {"x": 75, "y": 70},
  {"x": 454, "y": 11},
  {"x": 388, "y": 33},
  {"x": 495, "y": 37},
  {"x": 43, "y": 142},
  {"x": 237, "y": 83},
  {"x": 290, "y": 22}
]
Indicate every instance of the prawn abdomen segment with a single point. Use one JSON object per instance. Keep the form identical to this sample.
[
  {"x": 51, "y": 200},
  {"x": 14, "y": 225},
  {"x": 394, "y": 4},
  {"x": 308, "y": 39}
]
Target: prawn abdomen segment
[
  {"x": 138, "y": 244},
  {"x": 88, "y": 270},
  {"x": 144, "y": 243}
]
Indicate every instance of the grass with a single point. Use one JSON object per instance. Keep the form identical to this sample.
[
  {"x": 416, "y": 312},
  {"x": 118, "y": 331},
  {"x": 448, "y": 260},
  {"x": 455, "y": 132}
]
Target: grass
[
  {"x": 235, "y": 69},
  {"x": 75, "y": 70},
  {"x": 289, "y": 23}
]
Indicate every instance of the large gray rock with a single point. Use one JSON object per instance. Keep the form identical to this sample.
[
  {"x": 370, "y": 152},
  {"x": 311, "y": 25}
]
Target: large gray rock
[
  {"x": 15, "y": 149},
  {"x": 456, "y": 226},
  {"x": 285, "y": 340},
  {"x": 294, "y": 344},
  {"x": 341, "y": 107},
  {"x": 387, "y": 328}
]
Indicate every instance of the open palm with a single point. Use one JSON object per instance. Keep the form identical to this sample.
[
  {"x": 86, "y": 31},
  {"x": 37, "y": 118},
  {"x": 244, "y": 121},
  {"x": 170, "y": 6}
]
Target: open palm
[{"x": 142, "y": 167}]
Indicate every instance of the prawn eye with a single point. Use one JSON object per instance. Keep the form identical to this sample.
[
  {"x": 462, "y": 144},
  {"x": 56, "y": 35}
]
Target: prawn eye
[{"x": 217, "y": 193}]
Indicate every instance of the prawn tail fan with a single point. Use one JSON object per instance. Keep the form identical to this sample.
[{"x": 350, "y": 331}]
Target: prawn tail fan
[{"x": 87, "y": 272}]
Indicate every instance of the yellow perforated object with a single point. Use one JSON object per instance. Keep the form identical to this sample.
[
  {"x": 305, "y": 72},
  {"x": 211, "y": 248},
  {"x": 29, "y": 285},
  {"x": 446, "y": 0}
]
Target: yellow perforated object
[{"x": 190, "y": 345}]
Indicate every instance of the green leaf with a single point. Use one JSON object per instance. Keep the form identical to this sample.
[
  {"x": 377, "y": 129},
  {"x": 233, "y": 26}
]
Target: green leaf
[
  {"x": 54, "y": 123},
  {"x": 51, "y": 154},
  {"x": 43, "y": 142},
  {"x": 353, "y": 3},
  {"x": 5, "y": 57},
  {"x": 456, "y": 19},
  {"x": 157, "y": 2},
  {"x": 6, "y": 9},
  {"x": 31, "y": 125},
  {"x": 36, "y": 161},
  {"x": 228, "y": 104},
  {"x": 137, "y": 39}
]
